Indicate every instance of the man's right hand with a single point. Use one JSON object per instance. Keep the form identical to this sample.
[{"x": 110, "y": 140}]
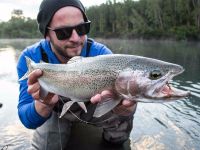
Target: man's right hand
[{"x": 43, "y": 105}]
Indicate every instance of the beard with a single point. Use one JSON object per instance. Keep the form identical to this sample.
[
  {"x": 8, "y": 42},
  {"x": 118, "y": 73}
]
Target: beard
[{"x": 66, "y": 50}]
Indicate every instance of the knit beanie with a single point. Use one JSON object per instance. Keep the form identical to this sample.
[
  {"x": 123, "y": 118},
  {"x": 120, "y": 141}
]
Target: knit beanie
[{"x": 49, "y": 7}]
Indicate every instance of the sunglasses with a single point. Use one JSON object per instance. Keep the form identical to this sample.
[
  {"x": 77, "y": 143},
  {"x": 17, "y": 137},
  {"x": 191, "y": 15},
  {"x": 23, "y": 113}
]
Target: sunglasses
[{"x": 64, "y": 33}]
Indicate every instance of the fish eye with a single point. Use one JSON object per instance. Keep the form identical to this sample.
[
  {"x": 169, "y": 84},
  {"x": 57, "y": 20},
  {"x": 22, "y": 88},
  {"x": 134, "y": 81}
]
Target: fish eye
[{"x": 155, "y": 74}]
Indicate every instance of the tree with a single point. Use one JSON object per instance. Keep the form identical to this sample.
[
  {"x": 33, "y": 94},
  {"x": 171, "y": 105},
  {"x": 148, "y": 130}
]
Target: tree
[{"x": 17, "y": 13}]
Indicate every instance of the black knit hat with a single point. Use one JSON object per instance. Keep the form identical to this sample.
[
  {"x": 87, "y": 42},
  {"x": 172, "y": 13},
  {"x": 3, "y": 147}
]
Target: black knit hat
[{"x": 49, "y": 7}]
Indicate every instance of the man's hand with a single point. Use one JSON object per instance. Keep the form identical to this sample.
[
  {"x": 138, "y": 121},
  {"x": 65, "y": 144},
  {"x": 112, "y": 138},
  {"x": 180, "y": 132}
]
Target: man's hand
[
  {"x": 125, "y": 108},
  {"x": 43, "y": 105}
]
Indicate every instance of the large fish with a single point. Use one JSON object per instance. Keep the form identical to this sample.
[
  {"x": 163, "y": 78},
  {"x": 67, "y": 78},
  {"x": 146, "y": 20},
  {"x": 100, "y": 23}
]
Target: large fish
[{"x": 131, "y": 77}]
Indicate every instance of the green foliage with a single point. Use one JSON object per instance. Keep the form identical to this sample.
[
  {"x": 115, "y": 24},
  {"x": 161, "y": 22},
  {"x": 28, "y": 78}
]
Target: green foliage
[
  {"x": 19, "y": 27},
  {"x": 185, "y": 32},
  {"x": 177, "y": 19}
]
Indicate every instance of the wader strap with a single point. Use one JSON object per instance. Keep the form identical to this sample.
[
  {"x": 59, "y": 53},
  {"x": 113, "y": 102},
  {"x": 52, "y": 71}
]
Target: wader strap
[
  {"x": 44, "y": 55},
  {"x": 89, "y": 43}
]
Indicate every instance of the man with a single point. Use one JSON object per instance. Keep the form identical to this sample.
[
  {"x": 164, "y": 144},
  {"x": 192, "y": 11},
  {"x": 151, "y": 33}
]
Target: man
[{"x": 64, "y": 26}]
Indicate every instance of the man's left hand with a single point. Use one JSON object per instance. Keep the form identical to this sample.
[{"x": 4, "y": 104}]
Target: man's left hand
[{"x": 124, "y": 108}]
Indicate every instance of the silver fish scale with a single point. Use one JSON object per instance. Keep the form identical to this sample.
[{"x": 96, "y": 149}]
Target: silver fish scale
[
  {"x": 123, "y": 62},
  {"x": 86, "y": 83}
]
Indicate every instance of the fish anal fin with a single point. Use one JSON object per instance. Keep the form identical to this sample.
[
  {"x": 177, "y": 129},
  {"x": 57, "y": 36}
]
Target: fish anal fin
[{"x": 105, "y": 106}]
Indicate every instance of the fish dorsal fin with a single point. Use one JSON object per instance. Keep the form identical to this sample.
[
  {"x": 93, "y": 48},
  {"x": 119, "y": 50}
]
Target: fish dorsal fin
[
  {"x": 41, "y": 61},
  {"x": 74, "y": 59}
]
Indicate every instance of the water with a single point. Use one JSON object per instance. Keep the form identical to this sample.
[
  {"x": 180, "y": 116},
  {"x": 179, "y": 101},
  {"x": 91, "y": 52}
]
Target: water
[
  {"x": 174, "y": 125},
  {"x": 12, "y": 132}
]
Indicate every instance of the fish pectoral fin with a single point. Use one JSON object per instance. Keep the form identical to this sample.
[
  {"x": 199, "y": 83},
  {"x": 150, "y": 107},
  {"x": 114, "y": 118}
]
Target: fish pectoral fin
[
  {"x": 82, "y": 105},
  {"x": 66, "y": 107},
  {"x": 105, "y": 106},
  {"x": 25, "y": 76},
  {"x": 41, "y": 61}
]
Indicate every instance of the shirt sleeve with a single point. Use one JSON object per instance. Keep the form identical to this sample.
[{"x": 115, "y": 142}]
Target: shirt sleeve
[{"x": 26, "y": 106}]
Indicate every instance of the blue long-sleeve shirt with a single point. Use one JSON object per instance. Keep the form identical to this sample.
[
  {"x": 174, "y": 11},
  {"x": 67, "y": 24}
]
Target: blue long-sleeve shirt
[{"x": 26, "y": 107}]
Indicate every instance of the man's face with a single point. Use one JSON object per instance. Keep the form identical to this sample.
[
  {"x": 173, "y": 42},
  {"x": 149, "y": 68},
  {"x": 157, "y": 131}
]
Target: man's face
[{"x": 66, "y": 16}]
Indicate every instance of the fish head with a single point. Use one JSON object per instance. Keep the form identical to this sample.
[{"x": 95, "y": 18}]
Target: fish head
[{"x": 149, "y": 82}]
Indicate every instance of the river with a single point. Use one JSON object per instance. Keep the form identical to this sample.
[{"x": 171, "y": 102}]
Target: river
[{"x": 166, "y": 126}]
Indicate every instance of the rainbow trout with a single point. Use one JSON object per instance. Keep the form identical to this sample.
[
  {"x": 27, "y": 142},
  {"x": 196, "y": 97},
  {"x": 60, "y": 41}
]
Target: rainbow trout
[{"x": 130, "y": 77}]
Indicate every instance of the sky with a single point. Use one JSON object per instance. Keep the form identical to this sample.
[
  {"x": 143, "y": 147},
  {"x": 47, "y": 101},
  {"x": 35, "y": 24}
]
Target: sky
[{"x": 30, "y": 7}]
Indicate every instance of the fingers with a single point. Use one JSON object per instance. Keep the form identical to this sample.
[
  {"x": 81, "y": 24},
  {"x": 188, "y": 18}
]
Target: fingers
[
  {"x": 45, "y": 107},
  {"x": 106, "y": 94},
  {"x": 126, "y": 108},
  {"x": 55, "y": 98},
  {"x": 123, "y": 110},
  {"x": 49, "y": 96},
  {"x": 128, "y": 103},
  {"x": 51, "y": 99},
  {"x": 36, "y": 95},
  {"x": 33, "y": 88},
  {"x": 33, "y": 76},
  {"x": 33, "y": 85},
  {"x": 98, "y": 97}
]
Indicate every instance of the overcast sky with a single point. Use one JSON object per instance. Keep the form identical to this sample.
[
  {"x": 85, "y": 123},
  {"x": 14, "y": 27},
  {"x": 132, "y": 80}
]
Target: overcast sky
[{"x": 30, "y": 7}]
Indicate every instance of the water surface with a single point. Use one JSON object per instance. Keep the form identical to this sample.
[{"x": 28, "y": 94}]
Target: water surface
[{"x": 173, "y": 125}]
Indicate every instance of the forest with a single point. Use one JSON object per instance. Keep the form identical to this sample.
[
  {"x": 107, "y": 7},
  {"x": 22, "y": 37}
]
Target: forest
[{"x": 159, "y": 19}]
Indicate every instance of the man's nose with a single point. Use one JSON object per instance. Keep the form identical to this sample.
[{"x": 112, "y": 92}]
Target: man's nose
[{"x": 74, "y": 36}]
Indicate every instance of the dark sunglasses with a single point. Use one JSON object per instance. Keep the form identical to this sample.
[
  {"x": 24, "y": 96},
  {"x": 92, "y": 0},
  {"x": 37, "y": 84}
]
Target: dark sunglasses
[{"x": 64, "y": 33}]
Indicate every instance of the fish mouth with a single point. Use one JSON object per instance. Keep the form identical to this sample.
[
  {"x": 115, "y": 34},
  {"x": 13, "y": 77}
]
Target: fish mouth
[
  {"x": 168, "y": 92},
  {"x": 161, "y": 91}
]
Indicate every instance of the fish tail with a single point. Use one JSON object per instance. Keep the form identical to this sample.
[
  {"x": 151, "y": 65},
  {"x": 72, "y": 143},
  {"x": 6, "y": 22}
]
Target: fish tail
[{"x": 28, "y": 62}]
